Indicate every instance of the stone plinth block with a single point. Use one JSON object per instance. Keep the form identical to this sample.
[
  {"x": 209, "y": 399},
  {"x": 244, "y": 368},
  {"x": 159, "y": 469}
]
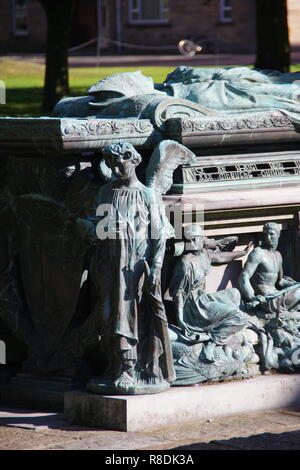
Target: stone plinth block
[{"x": 182, "y": 404}]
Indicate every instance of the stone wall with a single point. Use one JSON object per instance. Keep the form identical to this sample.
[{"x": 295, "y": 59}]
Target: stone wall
[
  {"x": 34, "y": 41},
  {"x": 294, "y": 21},
  {"x": 202, "y": 19},
  {"x": 187, "y": 18}
]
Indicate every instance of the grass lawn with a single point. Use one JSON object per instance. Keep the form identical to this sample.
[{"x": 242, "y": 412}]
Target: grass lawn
[{"x": 24, "y": 82}]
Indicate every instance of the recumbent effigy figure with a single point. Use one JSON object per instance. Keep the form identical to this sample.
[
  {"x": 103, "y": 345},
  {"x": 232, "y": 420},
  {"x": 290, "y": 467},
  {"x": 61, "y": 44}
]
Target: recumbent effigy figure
[{"x": 188, "y": 91}]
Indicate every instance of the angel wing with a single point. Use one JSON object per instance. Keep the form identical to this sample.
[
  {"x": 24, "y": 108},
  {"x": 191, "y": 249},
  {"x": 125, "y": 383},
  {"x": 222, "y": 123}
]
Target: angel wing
[{"x": 167, "y": 156}]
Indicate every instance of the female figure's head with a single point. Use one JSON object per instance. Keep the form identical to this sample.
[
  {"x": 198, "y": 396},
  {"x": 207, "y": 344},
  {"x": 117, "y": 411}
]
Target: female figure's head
[
  {"x": 193, "y": 237},
  {"x": 122, "y": 159}
]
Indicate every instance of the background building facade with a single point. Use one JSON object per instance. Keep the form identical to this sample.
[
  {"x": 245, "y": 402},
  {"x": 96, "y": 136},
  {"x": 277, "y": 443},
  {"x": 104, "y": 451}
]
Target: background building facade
[
  {"x": 142, "y": 26},
  {"x": 22, "y": 26}
]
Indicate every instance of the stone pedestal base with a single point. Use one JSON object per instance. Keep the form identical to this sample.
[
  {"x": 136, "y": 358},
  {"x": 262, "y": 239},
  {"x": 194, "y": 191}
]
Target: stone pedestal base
[
  {"x": 27, "y": 391},
  {"x": 182, "y": 404}
]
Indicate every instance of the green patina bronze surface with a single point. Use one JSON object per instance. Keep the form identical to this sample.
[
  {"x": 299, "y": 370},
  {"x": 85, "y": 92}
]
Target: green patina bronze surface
[
  {"x": 191, "y": 91},
  {"x": 275, "y": 298},
  {"x": 79, "y": 300}
]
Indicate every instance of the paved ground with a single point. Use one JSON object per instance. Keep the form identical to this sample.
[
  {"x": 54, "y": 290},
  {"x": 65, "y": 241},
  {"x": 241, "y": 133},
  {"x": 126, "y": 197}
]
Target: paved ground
[
  {"x": 151, "y": 60},
  {"x": 272, "y": 430}
]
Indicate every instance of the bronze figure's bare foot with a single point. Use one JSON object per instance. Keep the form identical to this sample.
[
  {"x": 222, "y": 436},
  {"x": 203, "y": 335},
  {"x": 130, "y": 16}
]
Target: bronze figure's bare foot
[{"x": 125, "y": 380}]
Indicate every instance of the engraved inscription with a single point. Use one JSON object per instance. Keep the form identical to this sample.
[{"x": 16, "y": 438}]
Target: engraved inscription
[{"x": 210, "y": 173}]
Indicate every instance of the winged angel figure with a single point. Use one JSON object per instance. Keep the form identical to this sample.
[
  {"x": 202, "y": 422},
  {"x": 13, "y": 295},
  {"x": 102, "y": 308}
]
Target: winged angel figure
[
  {"x": 132, "y": 229},
  {"x": 127, "y": 228}
]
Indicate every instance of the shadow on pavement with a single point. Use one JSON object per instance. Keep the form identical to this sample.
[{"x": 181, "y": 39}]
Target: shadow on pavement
[
  {"x": 35, "y": 421},
  {"x": 266, "y": 441}
]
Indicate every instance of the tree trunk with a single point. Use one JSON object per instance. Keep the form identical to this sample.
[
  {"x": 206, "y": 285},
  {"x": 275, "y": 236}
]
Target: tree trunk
[
  {"x": 59, "y": 20},
  {"x": 272, "y": 36}
]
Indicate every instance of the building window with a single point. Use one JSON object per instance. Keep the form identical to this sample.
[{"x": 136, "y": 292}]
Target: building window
[
  {"x": 19, "y": 17},
  {"x": 226, "y": 11},
  {"x": 148, "y": 11}
]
